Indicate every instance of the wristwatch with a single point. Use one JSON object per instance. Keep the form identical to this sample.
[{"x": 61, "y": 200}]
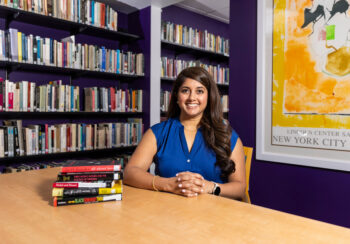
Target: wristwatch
[{"x": 216, "y": 189}]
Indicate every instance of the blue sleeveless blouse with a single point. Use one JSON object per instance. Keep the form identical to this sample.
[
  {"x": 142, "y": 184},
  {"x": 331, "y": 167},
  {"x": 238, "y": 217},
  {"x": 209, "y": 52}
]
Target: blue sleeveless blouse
[{"x": 173, "y": 155}]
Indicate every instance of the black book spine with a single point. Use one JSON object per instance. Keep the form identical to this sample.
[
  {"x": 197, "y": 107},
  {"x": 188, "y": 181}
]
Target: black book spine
[
  {"x": 35, "y": 50},
  {"x": 6, "y": 142},
  {"x": 37, "y": 98},
  {"x": 16, "y": 141},
  {"x": 7, "y": 46},
  {"x": 80, "y": 192},
  {"x": 100, "y": 100},
  {"x": 24, "y": 141},
  {"x": 83, "y": 10}
]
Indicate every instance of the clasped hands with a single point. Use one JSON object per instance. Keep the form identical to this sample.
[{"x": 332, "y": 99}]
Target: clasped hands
[{"x": 190, "y": 184}]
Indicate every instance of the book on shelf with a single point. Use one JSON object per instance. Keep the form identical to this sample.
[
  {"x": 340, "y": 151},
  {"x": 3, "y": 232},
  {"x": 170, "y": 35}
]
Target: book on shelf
[
  {"x": 14, "y": 168},
  {"x": 60, "y": 138},
  {"x": 81, "y": 11},
  {"x": 165, "y": 97},
  {"x": 83, "y": 191},
  {"x": 112, "y": 99},
  {"x": 171, "y": 68},
  {"x": 188, "y": 36},
  {"x": 25, "y": 96},
  {"x": 68, "y": 54},
  {"x": 224, "y": 103},
  {"x": 59, "y": 201}
]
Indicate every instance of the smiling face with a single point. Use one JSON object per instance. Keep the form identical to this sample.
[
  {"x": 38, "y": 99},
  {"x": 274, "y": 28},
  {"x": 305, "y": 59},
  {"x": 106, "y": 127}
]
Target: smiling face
[{"x": 192, "y": 98}]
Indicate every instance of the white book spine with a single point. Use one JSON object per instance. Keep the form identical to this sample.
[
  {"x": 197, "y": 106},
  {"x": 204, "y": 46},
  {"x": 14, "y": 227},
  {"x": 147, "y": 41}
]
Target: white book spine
[
  {"x": 2, "y": 143},
  {"x": 61, "y": 97},
  {"x": 32, "y": 96}
]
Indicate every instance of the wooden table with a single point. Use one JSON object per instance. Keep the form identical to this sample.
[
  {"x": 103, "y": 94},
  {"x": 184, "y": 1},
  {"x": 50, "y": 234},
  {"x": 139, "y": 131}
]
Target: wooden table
[{"x": 27, "y": 216}]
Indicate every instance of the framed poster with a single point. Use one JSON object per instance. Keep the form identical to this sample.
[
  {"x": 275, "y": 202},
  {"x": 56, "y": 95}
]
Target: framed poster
[{"x": 303, "y": 82}]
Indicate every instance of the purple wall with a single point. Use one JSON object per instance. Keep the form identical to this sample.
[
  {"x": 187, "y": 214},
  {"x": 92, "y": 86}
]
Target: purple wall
[
  {"x": 141, "y": 24},
  {"x": 310, "y": 192}
]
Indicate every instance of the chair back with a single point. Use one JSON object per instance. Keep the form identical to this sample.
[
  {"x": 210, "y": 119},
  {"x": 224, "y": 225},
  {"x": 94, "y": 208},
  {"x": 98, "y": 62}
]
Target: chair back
[{"x": 248, "y": 153}]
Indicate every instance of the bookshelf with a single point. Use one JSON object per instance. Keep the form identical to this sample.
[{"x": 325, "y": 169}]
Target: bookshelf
[
  {"x": 69, "y": 115},
  {"x": 193, "y": 53},
  {"x": 97, "y": 153},
  {"x": 74, "y": 28},
  {"x": 196, "y": 52},
  {"x": 123, "y": 39},
  {"x": 11, "y": 66}
]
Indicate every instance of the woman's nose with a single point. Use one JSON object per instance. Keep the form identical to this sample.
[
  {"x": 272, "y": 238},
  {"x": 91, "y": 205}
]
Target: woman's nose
[{"x": 192, "y": 95}]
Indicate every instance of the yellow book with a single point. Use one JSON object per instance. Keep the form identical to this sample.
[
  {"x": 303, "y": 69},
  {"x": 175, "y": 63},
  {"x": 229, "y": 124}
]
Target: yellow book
[{"x": 19, "y": 38}]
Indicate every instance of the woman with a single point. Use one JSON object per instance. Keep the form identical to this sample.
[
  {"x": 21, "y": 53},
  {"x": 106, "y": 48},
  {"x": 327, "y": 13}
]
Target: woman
[{"x": 195, "y": 150}]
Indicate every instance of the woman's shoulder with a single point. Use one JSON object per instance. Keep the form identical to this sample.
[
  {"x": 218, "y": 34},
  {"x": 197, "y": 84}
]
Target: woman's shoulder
[
  {"x": 164, "y": 125},
  {"x": 234, "y": 138}
]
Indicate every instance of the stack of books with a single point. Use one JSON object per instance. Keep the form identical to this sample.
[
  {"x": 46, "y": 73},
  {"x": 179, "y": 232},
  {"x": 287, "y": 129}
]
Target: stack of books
[{"x": 88, "y": 181}]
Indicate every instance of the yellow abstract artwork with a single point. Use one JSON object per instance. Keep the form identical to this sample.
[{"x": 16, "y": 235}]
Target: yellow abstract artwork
[{"x": 311, "y": 71}]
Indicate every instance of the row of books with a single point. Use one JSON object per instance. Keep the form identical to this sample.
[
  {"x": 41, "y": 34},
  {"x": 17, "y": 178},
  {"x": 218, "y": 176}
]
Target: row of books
[
  {"x": 17, "y": 140},
  {"x": 82, "y": 11},
  {"x": 164, "y": 100},
  {"x": 26, "y": 96},
  {"x": 19, "y": 47},
  {"x": 224, "y": 102},
  {"x": 166, "y": 95},
  {"x": 21, "y": 167},
  {"x": 171, "y": 68},
  {"x": 112, "y": 99},
  {"x": 88, "y": 181},
  {"x": 188, "y": 36}
]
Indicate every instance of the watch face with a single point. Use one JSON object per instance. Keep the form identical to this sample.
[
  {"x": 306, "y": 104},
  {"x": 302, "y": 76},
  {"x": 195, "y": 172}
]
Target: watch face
[{"x": 217, "y": 191}]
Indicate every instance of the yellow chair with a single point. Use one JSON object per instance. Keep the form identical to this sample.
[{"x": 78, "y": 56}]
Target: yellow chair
[{"x": 248, "y": 153}]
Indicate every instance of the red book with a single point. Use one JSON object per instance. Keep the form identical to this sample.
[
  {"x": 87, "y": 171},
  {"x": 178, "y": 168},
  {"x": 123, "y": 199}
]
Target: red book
[
  {"x": 69, "y": 139},
  {"x": 112, "y": 99},
  {"x": 91, "y": 166},
  {"x": 103, "y": 15},
  {"x": 10, "y": 101},
  {"x": 93, "y": 100}
]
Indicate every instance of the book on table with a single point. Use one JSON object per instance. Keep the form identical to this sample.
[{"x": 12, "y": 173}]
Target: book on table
[
  {"x": 89, "y": 176},
  {"x": 88, "y": 181},
  {"x": 117, "y": 188},
  {"x": 62, "y": 201},
  {"x": 106, "y": 165}
]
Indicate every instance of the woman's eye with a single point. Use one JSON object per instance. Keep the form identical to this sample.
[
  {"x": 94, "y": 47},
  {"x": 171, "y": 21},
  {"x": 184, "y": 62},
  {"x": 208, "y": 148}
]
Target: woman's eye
[
  {"x": 184, "y": 90},
  {"x": 200, "y": 91}
]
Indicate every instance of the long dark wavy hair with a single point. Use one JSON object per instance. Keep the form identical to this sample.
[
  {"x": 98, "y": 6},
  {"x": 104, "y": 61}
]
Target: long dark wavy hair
[{"x": 216, "y": 130}]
